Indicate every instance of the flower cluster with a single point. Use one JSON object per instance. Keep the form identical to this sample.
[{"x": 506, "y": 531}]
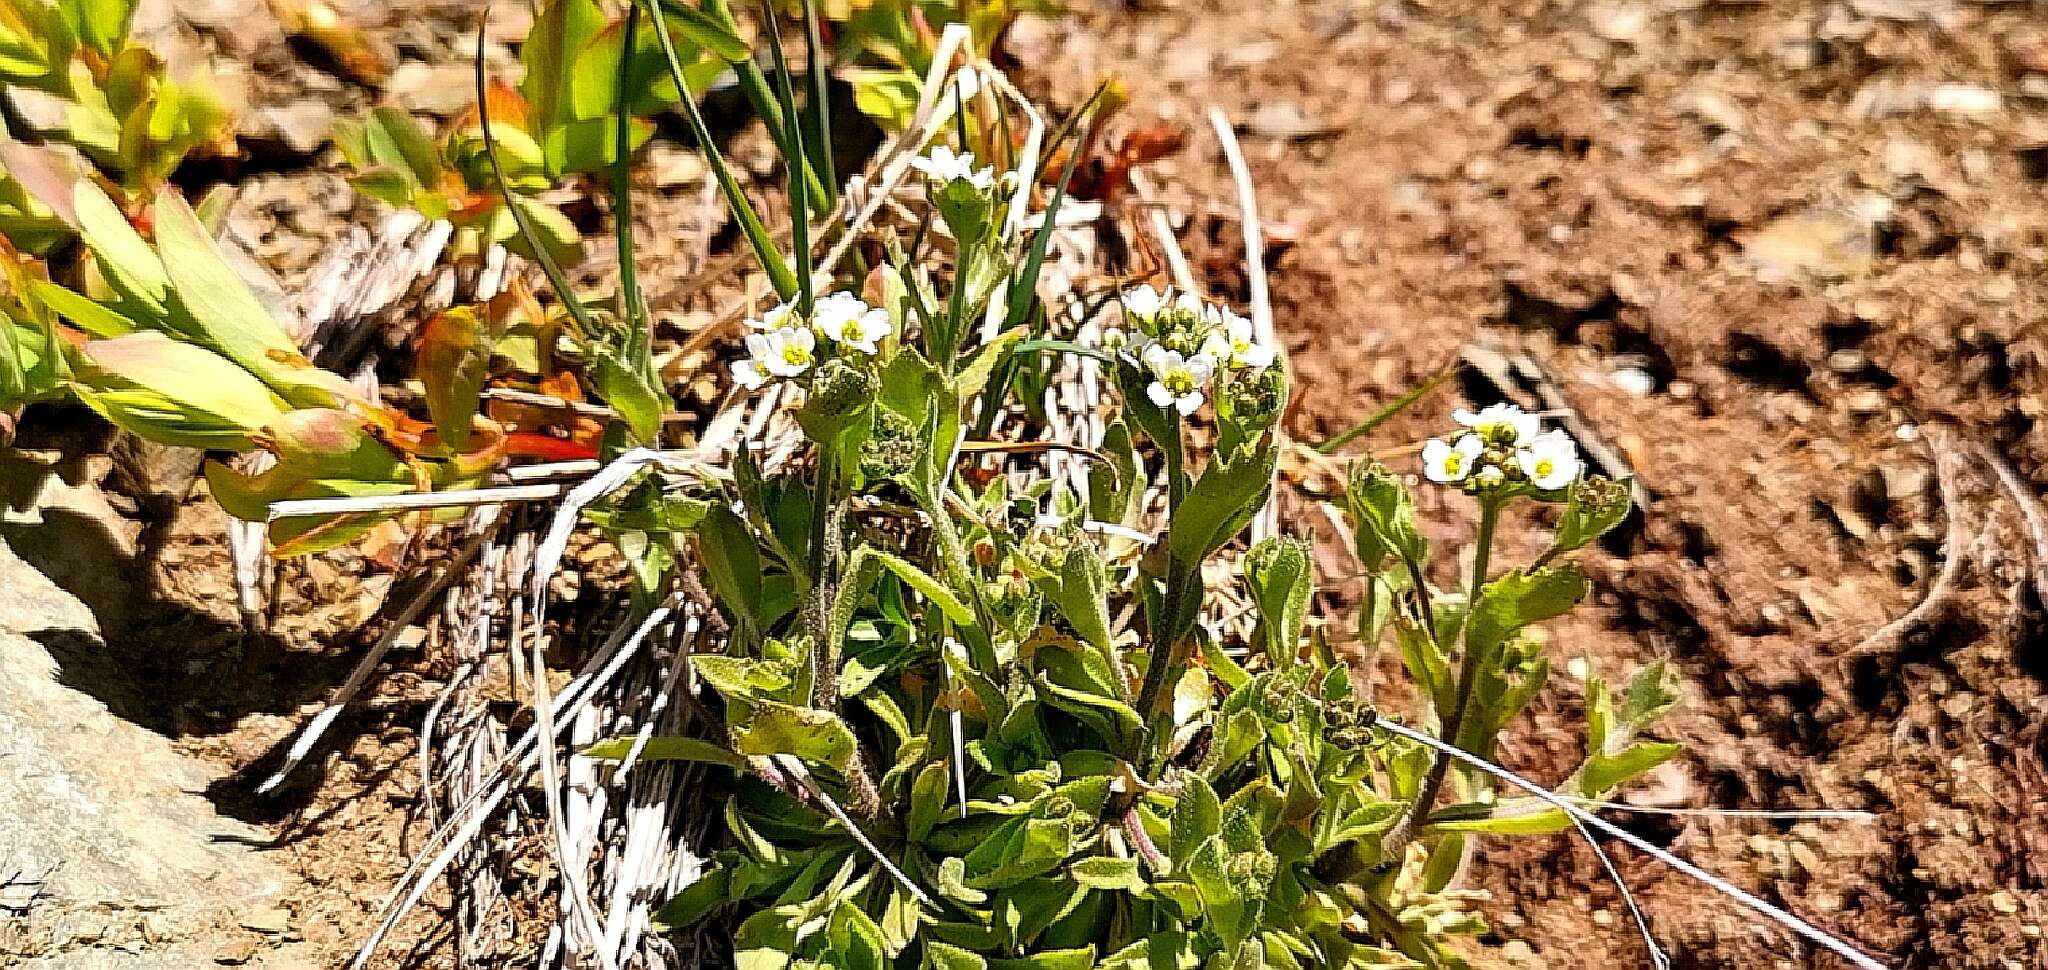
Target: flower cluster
[
  {"x": 1502, "y": 445},
  {"x": 1184, "y": 343},
  {"x": 782, "y": 345},
  {"x": 944, "y": 166}
]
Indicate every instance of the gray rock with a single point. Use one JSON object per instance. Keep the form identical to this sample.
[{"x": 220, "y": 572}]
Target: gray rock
[{"x": 110, "y": 856}]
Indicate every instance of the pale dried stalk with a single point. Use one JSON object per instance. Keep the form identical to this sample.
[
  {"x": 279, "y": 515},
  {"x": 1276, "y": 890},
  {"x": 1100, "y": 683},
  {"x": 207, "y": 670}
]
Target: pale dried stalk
[{"x": 1724, "y": 887}]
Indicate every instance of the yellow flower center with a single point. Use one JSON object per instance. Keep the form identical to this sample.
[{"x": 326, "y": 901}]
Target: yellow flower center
[
  {"x": 1178, "y": 382},
  {"x": 795, "y": 355},
  {"x": 1454, "y": 463}
]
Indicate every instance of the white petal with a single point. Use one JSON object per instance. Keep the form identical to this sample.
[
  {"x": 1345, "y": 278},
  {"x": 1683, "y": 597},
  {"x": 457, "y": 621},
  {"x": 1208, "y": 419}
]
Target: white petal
[
  {"x": 760, "y": 345},
  {"x": 746, "y": 375},
  {"x": 1144, "y": 301},
  {"x": 1161, "y": 397},
  {"x": 1189, "y": 402},
  {"x": 1256, "y": 357}
]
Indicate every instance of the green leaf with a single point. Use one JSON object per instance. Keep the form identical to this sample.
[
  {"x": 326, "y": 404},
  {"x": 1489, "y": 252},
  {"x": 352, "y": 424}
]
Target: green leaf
[
  {"x": 632, "y": 394},
  {"x": 818, "y": 737},
  {"x": 386, "y": 185},
  {"x": 1514, "y": 601},
  {"x": 452, "y": 357},
  {"x": 87, "y": 315},
  {"x": 561, "y": 30},
  {"x": 953, "y": 882},
  {"x": 941, "y": 596},
  {"x": 685, "y": 909},
  {"x": 175, "y": 393},
  {"x": 1277, "y": 569},
  {"x": 1076, "y": 959},
  {"x": 1114, "y": 720},
  {"x": 1605, "y": 772},
  {"x": 855, "y": 940},
  {"x": 928, "y": 799},
  {"x": 665, "y": 749},
  {"x": 908, "y": 385},
  {"x": 103, "y": 24},
  {"x": 1081, "y": 595},
  {"x": 589, "y": 144},
  {"x": 944, "y": 956},
  {"x": 395, "y": 139},
  {"x": 1197, "y": 818},
  {"x": 1104, "y": 872},
  {"x": 1592, "y": 508},
  {"x": 1382, "y": 517},
  {"x": 1227, "y": 495},
  {"x": 217, "y": 309},
  {"x": 1034, "y": 847},
  {"x": 123, "y": 257},
  {"x": 725, "y": 545}
]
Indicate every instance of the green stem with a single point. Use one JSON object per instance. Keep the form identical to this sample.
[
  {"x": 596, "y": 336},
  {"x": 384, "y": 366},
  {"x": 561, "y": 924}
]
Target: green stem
[
  {"x": 1169, "y": 649},
  {"x": 824, "y": 497},
  {"x": 1468, "y": 674},
  {"x": 948, "y": 343},
  {"x": 640, "y": 340}
]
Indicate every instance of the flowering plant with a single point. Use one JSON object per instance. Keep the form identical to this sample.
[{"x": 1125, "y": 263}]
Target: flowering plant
[{"x": 950, "y": 743}]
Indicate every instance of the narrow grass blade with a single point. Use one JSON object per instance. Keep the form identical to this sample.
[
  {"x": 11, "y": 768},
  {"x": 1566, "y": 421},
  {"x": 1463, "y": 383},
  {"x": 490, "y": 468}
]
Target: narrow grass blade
[
  {"x": 793, "y": 133},
  {"x": 820, "y": 138},
  {"x": 1400, "y": 404},
  {"x": 1024, "y": 287},
  {"x": 778, "y": 271},
  {"x": 754, "y": 85}
]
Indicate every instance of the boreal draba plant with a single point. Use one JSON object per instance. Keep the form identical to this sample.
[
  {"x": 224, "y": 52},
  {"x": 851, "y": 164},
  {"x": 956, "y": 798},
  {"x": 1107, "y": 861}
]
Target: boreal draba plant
[{"x": 975, "y": 717}]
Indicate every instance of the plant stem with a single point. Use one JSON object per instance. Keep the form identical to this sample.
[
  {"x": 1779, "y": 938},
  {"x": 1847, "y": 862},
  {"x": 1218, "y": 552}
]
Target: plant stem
[
  {"x": 1468, "y": 677},
  {"x": 944, "y": 349},
  {"x": 1169, "y": 649},
  {"x": 825, "y": 676}
]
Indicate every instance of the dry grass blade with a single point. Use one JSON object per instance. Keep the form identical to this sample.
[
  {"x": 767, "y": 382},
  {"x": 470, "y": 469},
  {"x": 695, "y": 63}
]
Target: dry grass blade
[
  {"x": 1708, "y": 879},
  {"x": 400, "y": 622}
]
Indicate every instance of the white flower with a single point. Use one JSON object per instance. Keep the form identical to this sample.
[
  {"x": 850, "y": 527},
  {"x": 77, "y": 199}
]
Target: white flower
[
  {"x": 1550, "y": 461},
  {"x": 945, "y": 165},
  {"x": 1144, "y": 303},
  {"x": 787, "y": 352},
  {"x": 1495, "y": 419},
  {"x": 1177, "y": 380},
  {"x": 776, "y": 318},
  {"x": 845, "y": 319},
  {"x": 746, "y": 374},
  {"x": 1489, "y": 477},
  {"x": 1445, "y": 463},
  {"x": 1190, "y": 303},
  {"x": 1232, "y": 341}
]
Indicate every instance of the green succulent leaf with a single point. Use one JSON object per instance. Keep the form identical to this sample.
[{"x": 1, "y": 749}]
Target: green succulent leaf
[{"x": 175, "y": 393}]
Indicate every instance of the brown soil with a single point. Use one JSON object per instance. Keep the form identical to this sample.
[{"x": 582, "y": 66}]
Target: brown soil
[{"x": 1765, "y": 274}]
